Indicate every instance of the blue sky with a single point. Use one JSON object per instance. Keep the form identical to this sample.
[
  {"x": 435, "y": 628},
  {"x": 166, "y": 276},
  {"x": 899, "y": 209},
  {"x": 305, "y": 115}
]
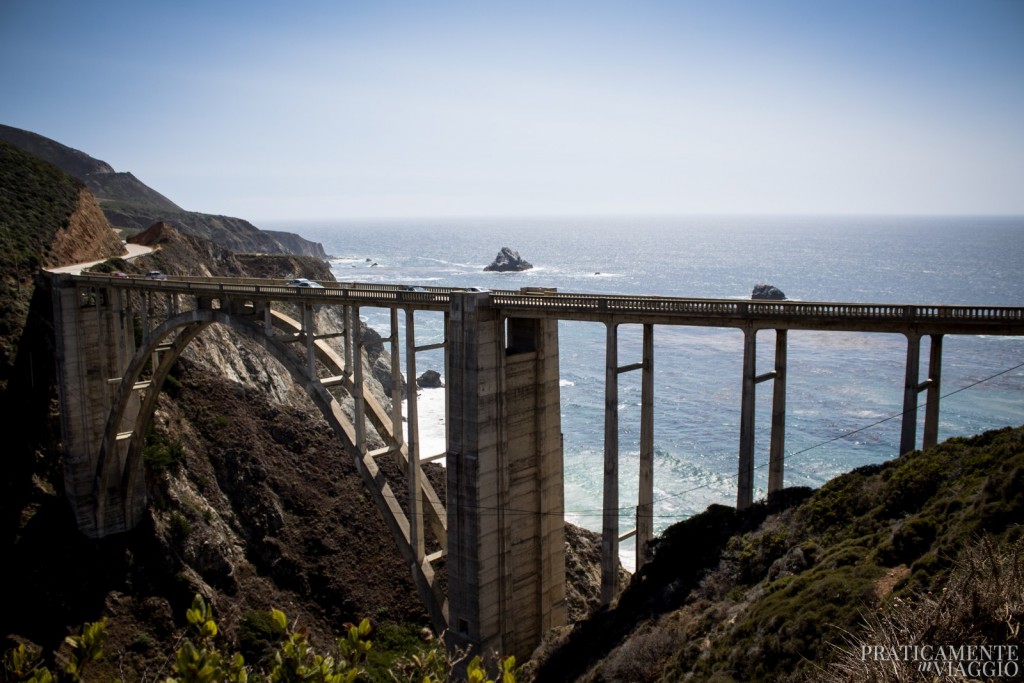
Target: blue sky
[{"x": 307, "y": 110}]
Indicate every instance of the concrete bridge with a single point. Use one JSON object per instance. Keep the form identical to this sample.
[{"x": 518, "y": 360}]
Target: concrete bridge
[{"x": 500, "y": 533}]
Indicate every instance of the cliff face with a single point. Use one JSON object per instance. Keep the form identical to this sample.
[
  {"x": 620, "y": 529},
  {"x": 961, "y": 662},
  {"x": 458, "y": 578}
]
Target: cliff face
[
  {"x": 293, "y": 244},
  {"x": 86, "y": 237}
]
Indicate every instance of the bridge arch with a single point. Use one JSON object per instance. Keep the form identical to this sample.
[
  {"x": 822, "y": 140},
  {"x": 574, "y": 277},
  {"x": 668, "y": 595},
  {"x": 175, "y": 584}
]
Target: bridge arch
[{"x": 122, "y": 474}]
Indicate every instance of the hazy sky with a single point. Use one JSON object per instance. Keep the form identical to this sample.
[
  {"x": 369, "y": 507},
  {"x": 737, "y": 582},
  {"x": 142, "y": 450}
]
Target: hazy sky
[{"x": 305, "y": 109}]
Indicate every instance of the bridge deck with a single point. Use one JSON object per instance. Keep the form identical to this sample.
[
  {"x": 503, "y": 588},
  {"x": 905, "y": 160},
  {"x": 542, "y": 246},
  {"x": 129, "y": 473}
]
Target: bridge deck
[{"x": 542, "y": 303}]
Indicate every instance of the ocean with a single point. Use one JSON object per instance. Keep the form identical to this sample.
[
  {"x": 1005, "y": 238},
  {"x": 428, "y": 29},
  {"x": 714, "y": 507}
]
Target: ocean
[{"x": 844, "y": 390}]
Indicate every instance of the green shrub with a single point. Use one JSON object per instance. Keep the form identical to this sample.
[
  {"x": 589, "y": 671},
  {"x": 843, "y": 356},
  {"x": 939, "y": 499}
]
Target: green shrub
[
  {"x": 111, "y": 265},
  {"x": 162, "y": 453},
  {"x": 179, "y": 526},
  {"x": 291, "y": 657}
]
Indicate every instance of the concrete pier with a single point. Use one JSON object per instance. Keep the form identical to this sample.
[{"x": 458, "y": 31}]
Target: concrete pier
[
  {"x": 95, "y": 343},
  {"x": 506, "y": 541}
]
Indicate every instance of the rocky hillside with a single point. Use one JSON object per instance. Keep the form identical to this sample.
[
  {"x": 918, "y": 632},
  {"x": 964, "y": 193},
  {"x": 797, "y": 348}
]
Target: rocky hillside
[
  {"x": 131, "y": 205},
  {"x": 99, "y": 176},
  {"x": 789, "y": 590}
]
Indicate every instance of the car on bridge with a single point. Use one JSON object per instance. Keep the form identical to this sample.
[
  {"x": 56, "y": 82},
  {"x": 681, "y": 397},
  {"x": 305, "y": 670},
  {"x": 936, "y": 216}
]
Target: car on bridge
[
  {"x": 303, "y": 282},
  {"x": 155, "y": 275}
]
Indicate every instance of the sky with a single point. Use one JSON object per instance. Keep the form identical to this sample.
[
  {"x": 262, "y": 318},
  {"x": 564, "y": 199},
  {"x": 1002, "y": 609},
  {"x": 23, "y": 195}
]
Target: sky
[{"x": 310, "y": 109}]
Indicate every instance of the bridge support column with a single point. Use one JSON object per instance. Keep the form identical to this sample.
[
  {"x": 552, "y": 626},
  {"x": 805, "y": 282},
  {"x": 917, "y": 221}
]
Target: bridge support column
[
  {"x": 645, "y": 495},
  {"x": 931, "y": 411},
  {"x": 95, "y": 344},
  {"x": 908, "y": 432},
  {"x": 413, "y": 442},
  {"x": 506, "y": 554},
  {"x": 644, "y": 531},
  {"x": 912, "y": 387},
  {"x": 776, "y": 458},
  {"x": 777, "y": 452},
  {"x": 745, "y": 482},
  {"x": 358, "y": 390},
  {"x": 309, "y": 331},
  {"x": 610, "y": 498}
]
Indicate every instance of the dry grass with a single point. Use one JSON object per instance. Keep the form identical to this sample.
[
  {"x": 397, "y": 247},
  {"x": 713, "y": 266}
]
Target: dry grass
[{"x": 981, "y": 605}]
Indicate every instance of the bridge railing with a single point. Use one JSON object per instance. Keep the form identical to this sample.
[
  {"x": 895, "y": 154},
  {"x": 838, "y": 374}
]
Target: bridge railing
[{"x": 736, "y": 308}]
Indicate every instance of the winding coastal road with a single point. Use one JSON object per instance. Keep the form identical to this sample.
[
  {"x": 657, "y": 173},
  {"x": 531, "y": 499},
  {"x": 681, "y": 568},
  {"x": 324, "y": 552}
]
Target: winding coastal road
[{"x": 134, "y": 251}]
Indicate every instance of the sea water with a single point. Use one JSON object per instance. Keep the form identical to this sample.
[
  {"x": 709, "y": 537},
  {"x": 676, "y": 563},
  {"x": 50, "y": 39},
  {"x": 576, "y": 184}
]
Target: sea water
[{"x": 844, "y": 390}]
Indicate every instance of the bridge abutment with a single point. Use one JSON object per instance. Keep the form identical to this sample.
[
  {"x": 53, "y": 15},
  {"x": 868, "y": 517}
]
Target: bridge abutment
[
  {"x": 95, "y": 343},
  {"x": 506, "y": 547}
]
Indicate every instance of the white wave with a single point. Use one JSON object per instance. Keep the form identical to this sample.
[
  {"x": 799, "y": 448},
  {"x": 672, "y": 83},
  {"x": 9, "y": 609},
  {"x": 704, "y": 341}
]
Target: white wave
[{"x": 430, "y": 411}]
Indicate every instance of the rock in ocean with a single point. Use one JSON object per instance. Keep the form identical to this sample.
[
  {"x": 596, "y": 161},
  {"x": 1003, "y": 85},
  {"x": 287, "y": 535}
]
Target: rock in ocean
[
  {"x": 762, "y": 291},
  {"x": 431, "y": 379},
  {"x": 509, "y": 260}
]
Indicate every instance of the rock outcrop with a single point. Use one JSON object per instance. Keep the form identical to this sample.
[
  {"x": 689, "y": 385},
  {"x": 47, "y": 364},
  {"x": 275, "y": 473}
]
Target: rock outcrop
[
  {"x": 769, "y": 292},
  {"x": 509, "y": 260},
  {"x": 294, "y": 244},
  {"x": 86, "y": 237}
]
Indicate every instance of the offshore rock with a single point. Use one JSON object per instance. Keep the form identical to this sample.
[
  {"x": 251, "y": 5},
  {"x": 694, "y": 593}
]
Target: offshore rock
[
  {"x": 763, "y": 291},
  {"x": 509, "y": 260},
  {"x": 431, "y": 379}
]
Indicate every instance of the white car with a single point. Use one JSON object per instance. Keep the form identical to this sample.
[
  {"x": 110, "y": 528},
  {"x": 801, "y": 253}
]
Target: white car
[{"x": 303, "y": 282}]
